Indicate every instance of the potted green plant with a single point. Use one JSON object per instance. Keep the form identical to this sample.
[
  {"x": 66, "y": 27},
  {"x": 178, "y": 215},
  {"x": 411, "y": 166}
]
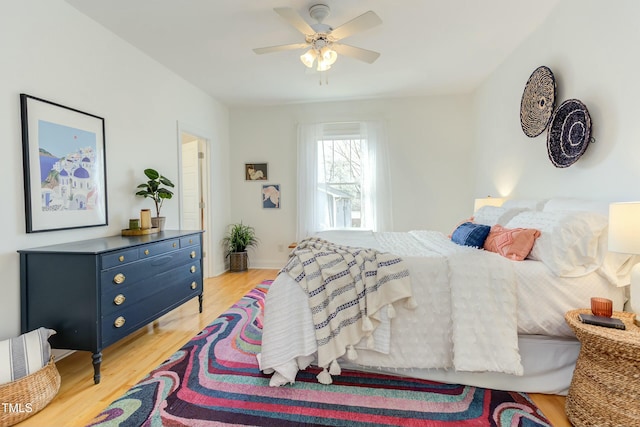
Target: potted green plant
[
  {"x": 237, "y": 240},
  {"x": 156, "y": 189}
]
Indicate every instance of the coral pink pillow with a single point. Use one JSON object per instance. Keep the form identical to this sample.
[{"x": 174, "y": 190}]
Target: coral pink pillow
[{"x": 512, "y": 243}]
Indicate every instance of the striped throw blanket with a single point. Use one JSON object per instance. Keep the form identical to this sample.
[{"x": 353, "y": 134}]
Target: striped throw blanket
[{"x": 346, "y": 288}]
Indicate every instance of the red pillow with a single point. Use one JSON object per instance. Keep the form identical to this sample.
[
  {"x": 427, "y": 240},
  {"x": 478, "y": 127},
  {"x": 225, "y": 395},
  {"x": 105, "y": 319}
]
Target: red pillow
[{"x": 512, "y": 243}]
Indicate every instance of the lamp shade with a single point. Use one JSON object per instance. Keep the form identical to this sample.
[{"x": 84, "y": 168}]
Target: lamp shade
[
  {"x": 322, "y": 65},
  {"x": 328, "y": 55},
  {"x": 624, "y": 227},
  {"x": 487, "y": 201},
  {"x": 308, "y": 58}
]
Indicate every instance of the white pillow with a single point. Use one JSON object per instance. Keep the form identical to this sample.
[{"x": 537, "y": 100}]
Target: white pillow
[
  {"x": 488, "y": 215},
  {"x": 526, "y": 204},
  {"x": 569, "y": 243},
  {"x": 492, "y": 215},
  {"x": 24, "y": 355}
]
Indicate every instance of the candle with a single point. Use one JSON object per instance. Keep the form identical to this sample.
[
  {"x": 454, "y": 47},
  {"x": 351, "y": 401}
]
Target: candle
[
  {"x": 145, "y": 219},
  {"x": 134, "y": 224}
]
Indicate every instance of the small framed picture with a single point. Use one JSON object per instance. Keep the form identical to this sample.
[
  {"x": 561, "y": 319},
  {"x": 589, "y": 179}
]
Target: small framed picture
[
  {"x": 256, "y": 172},
  {"x": 271, "y": 196}
]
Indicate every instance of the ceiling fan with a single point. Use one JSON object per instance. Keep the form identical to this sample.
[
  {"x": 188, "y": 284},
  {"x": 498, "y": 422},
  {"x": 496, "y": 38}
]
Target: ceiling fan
[{"x": 322, "y": 41}]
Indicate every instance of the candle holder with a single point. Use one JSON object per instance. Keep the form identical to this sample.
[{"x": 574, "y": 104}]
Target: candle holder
[
  {"x": 601, "y": 307},
  {"x": 145, "y": 219}
]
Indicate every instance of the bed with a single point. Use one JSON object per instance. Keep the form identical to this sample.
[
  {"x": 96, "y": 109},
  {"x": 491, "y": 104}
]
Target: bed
[{"x": 478, "y": 316}]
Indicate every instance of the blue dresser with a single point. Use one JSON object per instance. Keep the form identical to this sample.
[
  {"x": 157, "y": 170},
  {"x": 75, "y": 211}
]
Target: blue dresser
[{"x": 95, "y": 292}]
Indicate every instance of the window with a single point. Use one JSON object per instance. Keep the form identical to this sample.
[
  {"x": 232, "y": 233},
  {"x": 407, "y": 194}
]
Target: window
[{"x": 342, "y": 178}]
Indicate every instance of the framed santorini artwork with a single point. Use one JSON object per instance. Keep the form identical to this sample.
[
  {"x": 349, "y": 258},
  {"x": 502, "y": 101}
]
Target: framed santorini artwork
[{"x": 63, "y": 156}]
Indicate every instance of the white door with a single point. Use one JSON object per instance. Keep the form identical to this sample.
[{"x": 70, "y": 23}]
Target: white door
[
  {"x": 191, "y": 211},
  {"x": 194, "y": 189}
]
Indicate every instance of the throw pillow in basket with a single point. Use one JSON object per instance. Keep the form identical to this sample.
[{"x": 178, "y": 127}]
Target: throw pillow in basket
[{"x": 25, "y": 354}]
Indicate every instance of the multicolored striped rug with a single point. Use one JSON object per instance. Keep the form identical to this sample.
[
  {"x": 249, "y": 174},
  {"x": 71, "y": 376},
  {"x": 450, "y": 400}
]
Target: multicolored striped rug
[{"x": 214, "y": 380}]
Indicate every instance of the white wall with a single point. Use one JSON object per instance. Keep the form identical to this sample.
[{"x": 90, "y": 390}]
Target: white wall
[
  {"x": 51, "y": 51},
  {"x": 591, "y": 46},
  {"x": 430, "y": 159}
]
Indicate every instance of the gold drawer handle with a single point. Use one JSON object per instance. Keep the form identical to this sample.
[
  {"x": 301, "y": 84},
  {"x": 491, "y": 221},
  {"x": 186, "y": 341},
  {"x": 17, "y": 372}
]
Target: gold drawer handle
[
  {"x": 192, "y": 254},
  {"x": 174, "y": 245},
  {"x": 194, "y": 285},
  {"x": 190, "y": 241},
  {"x": 119, "y": 322},
  {"x": 121, "y": 258},
  {"x": 193, "y": 269},
  {"x": 119, "y": 278},
  {"x": 119, "y": 299},
  {"x": 146, "y": 251}
]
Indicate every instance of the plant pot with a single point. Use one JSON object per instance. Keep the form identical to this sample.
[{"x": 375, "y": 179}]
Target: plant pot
[
  {"x": 158, "y": 222},
  {"x": 238, "y": 261}
]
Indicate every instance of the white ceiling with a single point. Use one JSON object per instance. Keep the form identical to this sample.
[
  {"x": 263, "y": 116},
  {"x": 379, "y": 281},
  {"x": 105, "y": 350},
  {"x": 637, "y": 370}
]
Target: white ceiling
[{"x": 427, "y": 46}]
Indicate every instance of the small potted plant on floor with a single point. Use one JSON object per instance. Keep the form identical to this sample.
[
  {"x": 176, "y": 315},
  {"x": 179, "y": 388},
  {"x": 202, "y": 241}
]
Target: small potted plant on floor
[
  {"x": 156, "y": 189},
  {"x": 237, "y": 240}
]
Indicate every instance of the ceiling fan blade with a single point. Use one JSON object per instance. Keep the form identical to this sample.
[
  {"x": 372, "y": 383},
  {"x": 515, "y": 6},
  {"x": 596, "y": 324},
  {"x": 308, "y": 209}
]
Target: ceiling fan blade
[
  {"x": 365, "y": 55},
  {"x": 363, "y": 22},
  {"x": 271, "y": 49},
  {"x": 292, "y": 17}
]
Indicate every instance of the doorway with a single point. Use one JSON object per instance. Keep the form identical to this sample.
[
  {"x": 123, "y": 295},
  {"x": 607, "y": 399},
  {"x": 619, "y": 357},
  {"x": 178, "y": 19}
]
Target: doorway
[{"x": 194, "y": 172}]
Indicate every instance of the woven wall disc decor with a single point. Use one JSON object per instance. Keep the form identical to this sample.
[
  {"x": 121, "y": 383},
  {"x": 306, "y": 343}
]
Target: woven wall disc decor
[
  {"x": 538, "y": 100},
  {"x": 569, "y": 133}
]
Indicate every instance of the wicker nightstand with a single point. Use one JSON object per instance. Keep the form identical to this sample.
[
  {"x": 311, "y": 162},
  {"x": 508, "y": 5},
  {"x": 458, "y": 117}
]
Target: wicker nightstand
[{"x": 605, "y": 389}]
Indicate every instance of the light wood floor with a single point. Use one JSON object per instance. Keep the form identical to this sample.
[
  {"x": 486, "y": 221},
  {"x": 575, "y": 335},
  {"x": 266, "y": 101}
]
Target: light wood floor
[{"x": 129, "y": 360}]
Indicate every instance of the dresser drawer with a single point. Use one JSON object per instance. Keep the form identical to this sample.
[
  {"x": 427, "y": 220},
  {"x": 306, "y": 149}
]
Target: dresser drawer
[
  {"x": 118, "y": 258},
  {"x": 121, "y": 298},
  {"x": 159, "y": 248},
  {"x": 121, "y": 323},
  {"x": 130, "y": 274},
  {"x": 190, "y": 241}
]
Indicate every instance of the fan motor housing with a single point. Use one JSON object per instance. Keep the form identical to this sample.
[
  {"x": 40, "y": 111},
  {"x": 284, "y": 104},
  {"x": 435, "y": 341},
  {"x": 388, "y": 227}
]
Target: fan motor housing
[{"x": 319, "y": 12}]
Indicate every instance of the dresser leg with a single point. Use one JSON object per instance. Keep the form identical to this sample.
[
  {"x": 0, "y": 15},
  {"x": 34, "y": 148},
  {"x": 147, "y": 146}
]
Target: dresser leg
[
  {"x": 97, "y": 360},
  {"x": 200, "y": 302}
]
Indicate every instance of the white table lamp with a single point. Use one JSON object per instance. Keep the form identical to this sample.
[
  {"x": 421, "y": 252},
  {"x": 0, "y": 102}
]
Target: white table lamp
[
  {"x": 624, "y": 237},
  {"x": 487, "y": 201}
]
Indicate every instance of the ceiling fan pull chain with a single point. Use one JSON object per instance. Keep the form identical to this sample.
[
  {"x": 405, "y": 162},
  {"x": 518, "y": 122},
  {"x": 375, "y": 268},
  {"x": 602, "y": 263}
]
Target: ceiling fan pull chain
[{"x": 326, "y": 77}]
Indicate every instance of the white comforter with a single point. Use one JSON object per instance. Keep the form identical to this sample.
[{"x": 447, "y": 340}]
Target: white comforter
[{"x": 466, "y": 317}]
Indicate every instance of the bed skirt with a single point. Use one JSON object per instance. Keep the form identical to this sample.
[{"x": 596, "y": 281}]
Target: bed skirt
[{"x": 548, "y": 367}]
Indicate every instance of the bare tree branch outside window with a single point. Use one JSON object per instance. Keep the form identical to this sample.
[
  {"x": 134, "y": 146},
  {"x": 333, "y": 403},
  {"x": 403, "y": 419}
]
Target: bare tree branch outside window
[{"x": 343, "y": 161}]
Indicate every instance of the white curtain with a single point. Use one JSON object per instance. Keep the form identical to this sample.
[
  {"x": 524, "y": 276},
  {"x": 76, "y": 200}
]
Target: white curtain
[
  {"x": 377, "y": 179},
  {"x": 309, "y": 198},
  {"x": 312, "y": 204}
]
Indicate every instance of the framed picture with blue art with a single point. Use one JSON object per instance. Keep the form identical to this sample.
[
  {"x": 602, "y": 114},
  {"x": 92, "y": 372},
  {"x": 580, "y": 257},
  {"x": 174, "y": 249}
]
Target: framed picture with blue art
[
  {"x": 271, "y": 196},
  {"x": 63, "y": 157}
]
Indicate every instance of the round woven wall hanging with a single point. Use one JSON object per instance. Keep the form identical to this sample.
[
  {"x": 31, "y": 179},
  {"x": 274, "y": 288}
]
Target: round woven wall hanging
[
  {"x": 538, "y": 100},
  {"x": 569, "y": 133}
]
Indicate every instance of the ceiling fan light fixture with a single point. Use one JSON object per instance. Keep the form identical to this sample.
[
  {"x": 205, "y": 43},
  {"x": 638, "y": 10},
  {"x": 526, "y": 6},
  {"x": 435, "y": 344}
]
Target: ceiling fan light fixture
[
  {"x": 328, "y": 55},
  {"x": 320, "y": 38},
  {"x": 309, "y": 57},
  {"x": 323, "y": 65}
]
